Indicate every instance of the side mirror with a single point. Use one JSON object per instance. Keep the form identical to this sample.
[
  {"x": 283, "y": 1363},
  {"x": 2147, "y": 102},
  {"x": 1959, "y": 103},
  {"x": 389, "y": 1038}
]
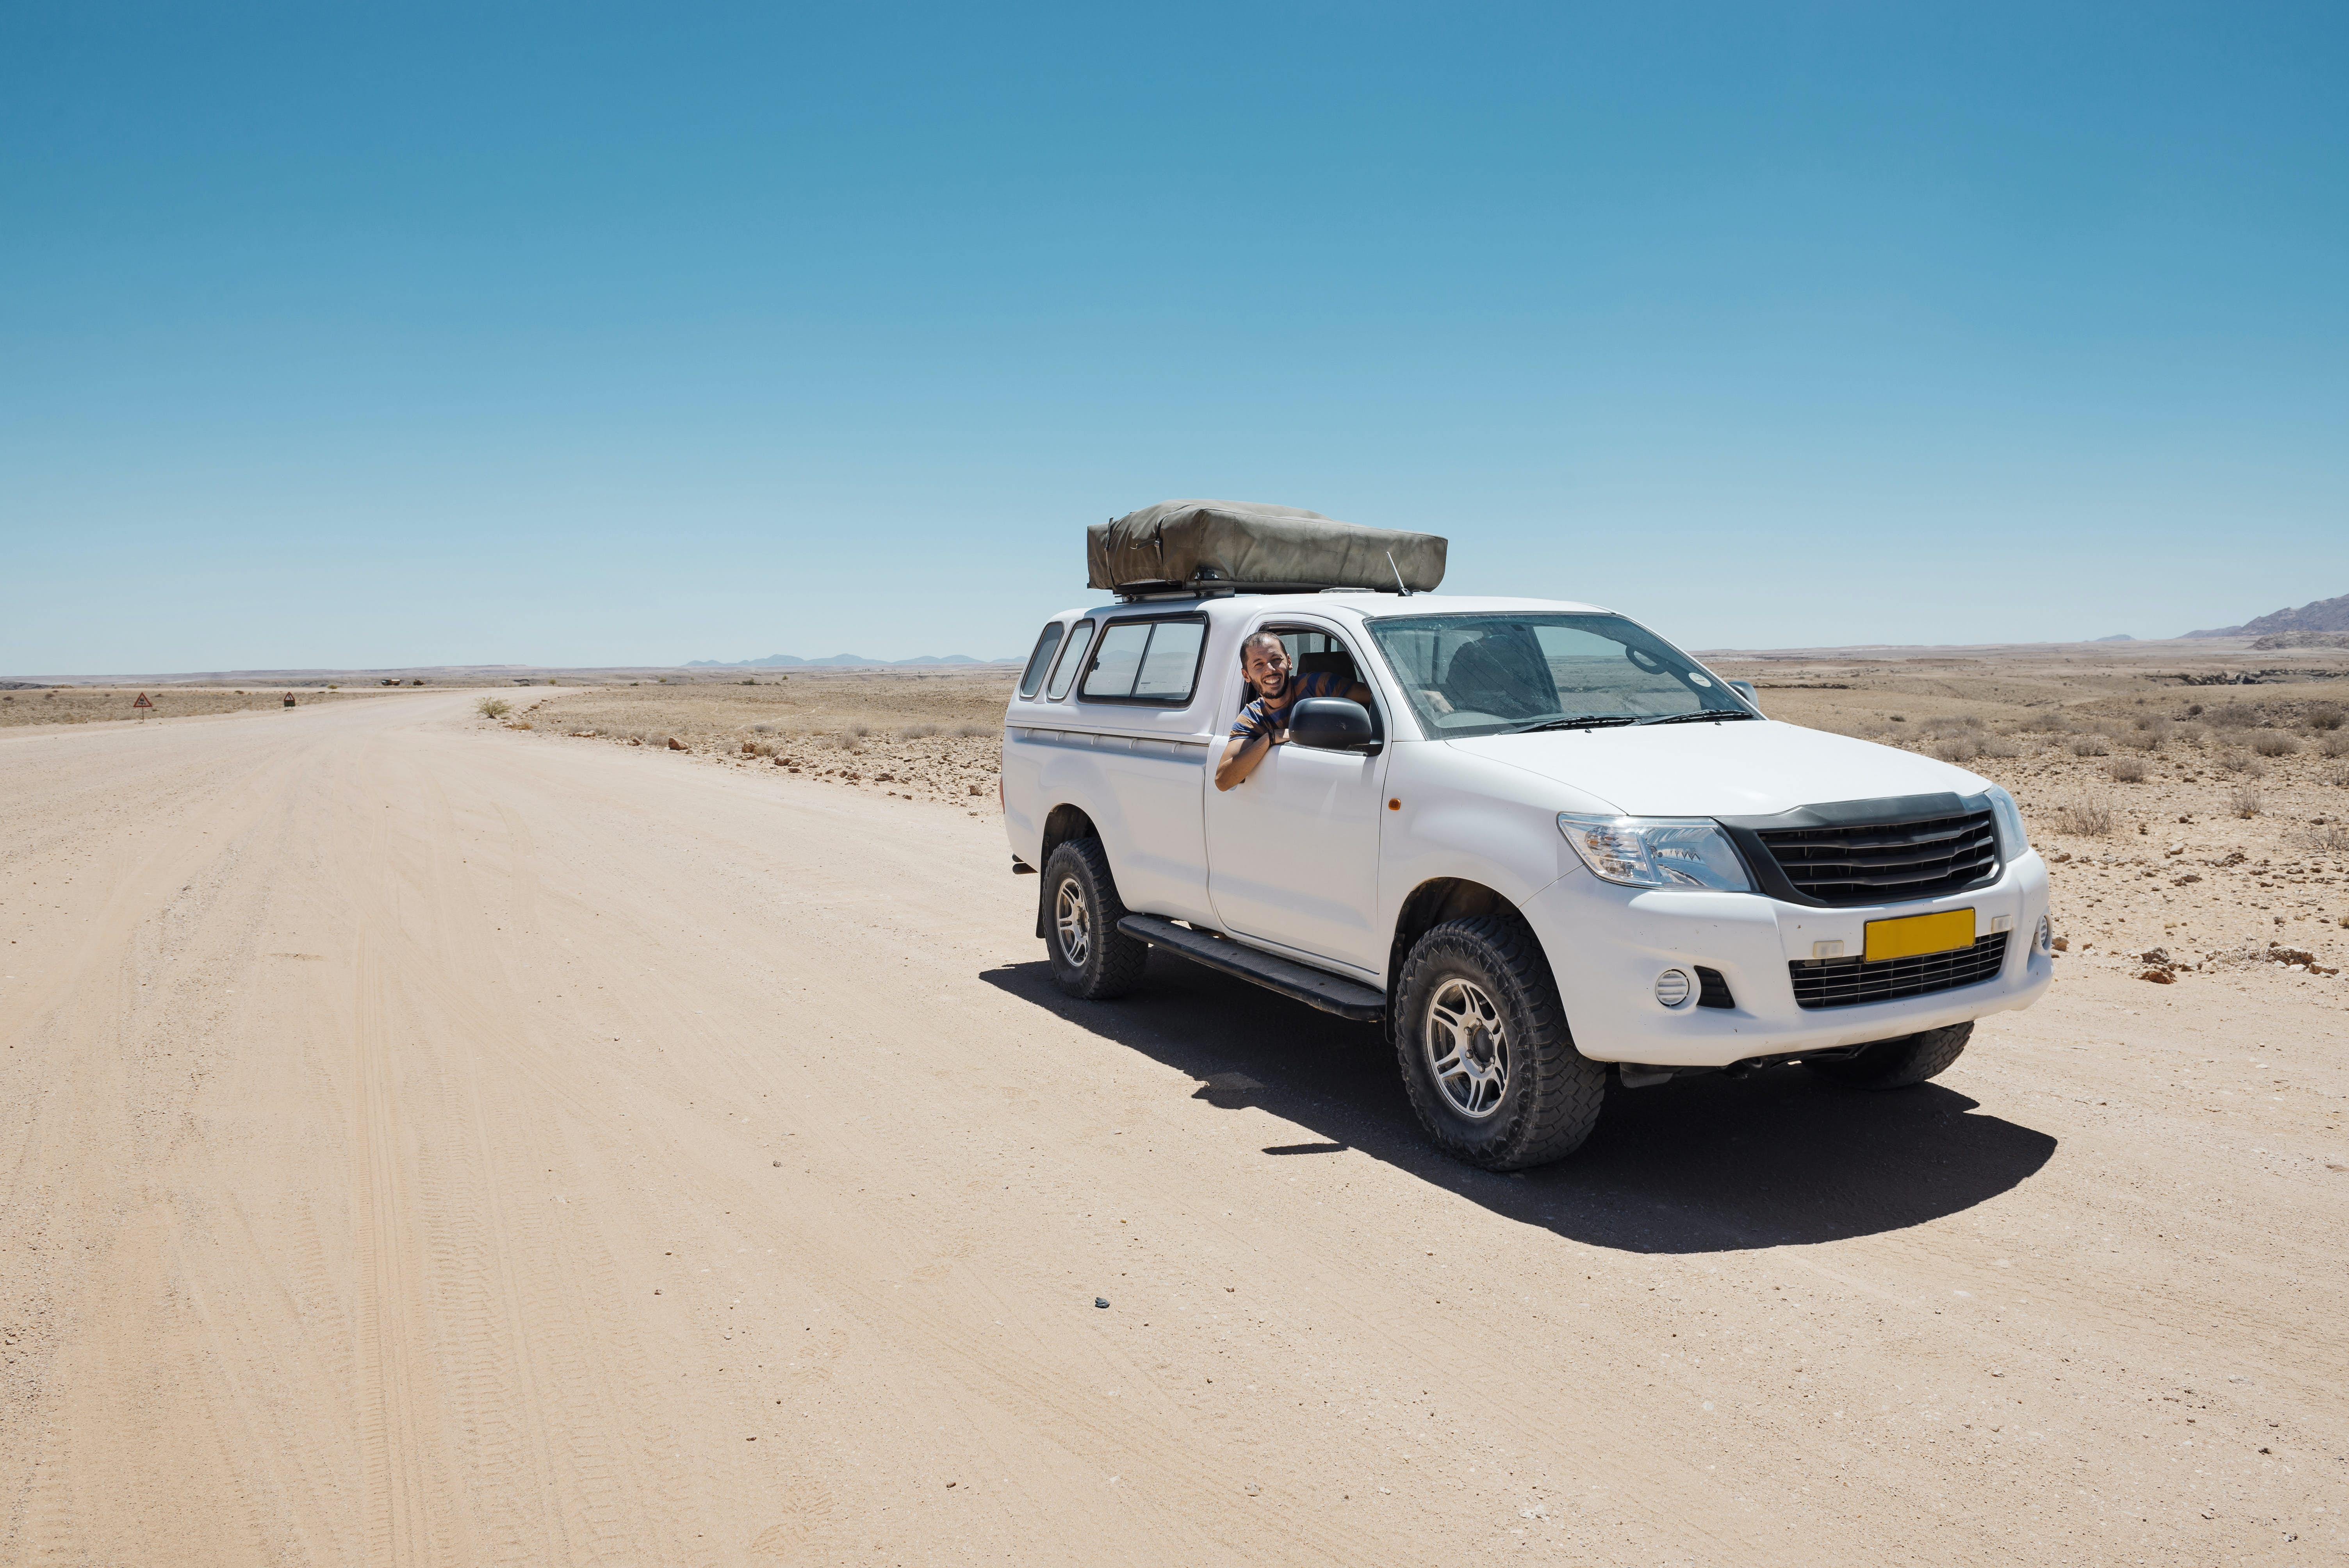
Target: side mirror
[
  {"x": 1746, "y": 690},
  {"x": 1332, "y": 724}
]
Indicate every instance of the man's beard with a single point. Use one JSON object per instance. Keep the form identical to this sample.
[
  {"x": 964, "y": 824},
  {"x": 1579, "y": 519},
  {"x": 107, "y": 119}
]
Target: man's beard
[{"x": 1273, "y": 682}]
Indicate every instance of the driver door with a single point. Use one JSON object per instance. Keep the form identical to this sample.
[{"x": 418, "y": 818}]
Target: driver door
[{"x": 1293, "y": 852}]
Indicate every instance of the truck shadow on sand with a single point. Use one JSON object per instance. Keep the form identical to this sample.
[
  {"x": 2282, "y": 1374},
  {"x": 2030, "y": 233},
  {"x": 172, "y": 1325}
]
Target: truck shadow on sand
[{"x": 1702, "y": 1164}]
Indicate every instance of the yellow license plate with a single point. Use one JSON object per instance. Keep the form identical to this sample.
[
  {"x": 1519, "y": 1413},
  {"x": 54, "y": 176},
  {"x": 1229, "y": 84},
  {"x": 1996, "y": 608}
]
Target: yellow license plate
[{"x": 1915, "y": 934}]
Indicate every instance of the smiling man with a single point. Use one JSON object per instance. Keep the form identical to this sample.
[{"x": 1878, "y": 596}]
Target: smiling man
[{"x": 1264, "y": 722}]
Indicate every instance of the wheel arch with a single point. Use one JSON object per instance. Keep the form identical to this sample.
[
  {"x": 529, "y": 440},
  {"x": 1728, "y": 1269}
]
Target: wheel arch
[
  {"x": 1429, "y": 905},
  {"x": 1061, "y": 823}
]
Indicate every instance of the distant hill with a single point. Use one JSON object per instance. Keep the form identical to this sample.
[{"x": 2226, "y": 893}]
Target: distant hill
[
  {"x": 771, "y": 660},
  {"x": 2323, "y": 615}
]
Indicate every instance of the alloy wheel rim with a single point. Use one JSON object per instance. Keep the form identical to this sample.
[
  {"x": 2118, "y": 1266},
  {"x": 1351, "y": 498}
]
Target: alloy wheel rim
[
  {"x": 1467, "y": 1048},
  {"x": 1073, "y": 921}
]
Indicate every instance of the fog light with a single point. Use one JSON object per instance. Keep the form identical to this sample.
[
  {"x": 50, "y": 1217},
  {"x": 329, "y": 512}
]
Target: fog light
[
  {"x": 2045, "y": 938},
  {"x": 1672, "y": 987}
]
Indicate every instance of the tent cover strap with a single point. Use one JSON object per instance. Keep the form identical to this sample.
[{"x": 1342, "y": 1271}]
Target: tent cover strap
[{"x": 1245, "y": 544}]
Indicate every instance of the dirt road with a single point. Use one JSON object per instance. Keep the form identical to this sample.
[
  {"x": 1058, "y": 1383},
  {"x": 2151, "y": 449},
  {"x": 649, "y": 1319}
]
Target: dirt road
[{"x": 424, "y": 1143}]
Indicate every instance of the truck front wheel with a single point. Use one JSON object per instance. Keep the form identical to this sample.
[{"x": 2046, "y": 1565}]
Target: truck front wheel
[
  {"x": 1486, "y": 1056},
  {"x": 1092, "y": 960},
  {"x": 1897, "y": 1063}
]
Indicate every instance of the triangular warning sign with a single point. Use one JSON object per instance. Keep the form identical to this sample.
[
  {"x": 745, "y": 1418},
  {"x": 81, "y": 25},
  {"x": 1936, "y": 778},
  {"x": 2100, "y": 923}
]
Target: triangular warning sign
[{"x": 143, "y": 701}]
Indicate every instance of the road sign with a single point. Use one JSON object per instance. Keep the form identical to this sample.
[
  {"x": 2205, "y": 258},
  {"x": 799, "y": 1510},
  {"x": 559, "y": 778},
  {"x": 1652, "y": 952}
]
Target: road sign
[{"x": 142, "y": 704}]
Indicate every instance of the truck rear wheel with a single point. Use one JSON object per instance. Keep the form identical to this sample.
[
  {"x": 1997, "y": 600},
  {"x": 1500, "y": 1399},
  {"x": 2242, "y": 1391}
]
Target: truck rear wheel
[
  {"x": 1486, "y": 1056},
  {"x": 1092, "y": 960},
  {"x": 1899, "y": 1063}
]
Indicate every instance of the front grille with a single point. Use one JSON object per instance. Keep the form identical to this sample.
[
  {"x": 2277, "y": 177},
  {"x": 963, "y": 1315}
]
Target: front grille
[
  {"x": 1885, "y": 863},
  {"x": 1849, "y": 982}
]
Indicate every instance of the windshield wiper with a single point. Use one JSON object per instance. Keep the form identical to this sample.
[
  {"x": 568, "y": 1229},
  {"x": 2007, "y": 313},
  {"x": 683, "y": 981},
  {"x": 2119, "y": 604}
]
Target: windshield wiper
[
  {"x": 1701, "y": 716},
  {"x": 1589, "y": 721}
]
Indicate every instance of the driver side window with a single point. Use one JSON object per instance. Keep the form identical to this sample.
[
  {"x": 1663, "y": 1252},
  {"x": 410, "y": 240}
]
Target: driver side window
[{"x": 1314, "y": 652}]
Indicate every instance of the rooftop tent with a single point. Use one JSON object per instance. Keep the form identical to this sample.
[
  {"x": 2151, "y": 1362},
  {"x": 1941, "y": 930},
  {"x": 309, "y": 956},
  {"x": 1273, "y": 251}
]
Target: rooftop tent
[{"x": 1241, "y": 544}]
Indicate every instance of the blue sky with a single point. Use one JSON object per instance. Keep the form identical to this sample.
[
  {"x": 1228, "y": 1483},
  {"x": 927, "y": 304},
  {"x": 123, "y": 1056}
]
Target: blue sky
[{"x": 357, "y": 334}]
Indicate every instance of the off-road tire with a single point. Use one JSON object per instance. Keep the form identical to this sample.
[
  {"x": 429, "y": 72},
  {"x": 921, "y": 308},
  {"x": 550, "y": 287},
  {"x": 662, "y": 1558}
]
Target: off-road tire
[
  {"x": 1109, "y": 964},
  {"x": 1899, "y": 1063},
  {"x": 1552, "y": 1094}
]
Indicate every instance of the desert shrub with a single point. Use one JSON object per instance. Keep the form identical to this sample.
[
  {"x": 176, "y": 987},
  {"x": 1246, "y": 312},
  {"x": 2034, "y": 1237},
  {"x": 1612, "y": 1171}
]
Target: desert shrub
[
  {"x": 1956, "y": 749},
  {"x": 2328, "y": 839},
  {"x": 2323, "y": 716},
  {"x": 970, "y": 731},
  {"x": 2232, "y": 716},
  {"x": 2274, "y": 743},
  {"x": 2090, "y": 746},
  {"x": 2086, "y": 816},
  {"x": 859, "y": 730},
  {"x": 493, "y": 707},
  {"x": 2241, "y": 762},
  {"x": 849, "y": 741},
  {"x": 2334, "y": 746},
  {"x": 2245, "y": 802},
  {"x": 2127, "y": 771},
  {"x": 2150, "y": 721},
  {"x": 1951, "y": 724},
  {"x": 918, "y": 732},
  {"x": 2189, "y": 733},
  {"x": 762, "y": 730},
  {"x": 2148, "y": 735},
  {"x": 2338, "y": 775},
  {"x": 2000, "y": 748}
]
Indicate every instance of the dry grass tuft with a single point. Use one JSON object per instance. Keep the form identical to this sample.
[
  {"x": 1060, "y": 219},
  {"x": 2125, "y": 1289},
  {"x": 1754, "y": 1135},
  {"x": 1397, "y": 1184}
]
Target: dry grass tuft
[
  {"x": 498, "y": 707},
  {"x": 918, "y": 732},
  {"x": 2089, "y": 746},
  {"x": 2245, "y": 802},
  {"x": 2329, "y": 839},
  {"x": 2274, "y": 743},
  {"x": 2127, "y": 769},
  {"x": 1956, "y": 749},
  {"x": 2084, "y": 816}
]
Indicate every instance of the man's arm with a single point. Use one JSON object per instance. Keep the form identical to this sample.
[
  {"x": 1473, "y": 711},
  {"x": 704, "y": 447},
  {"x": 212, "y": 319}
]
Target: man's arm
[{"x": 1241, "y": 755}]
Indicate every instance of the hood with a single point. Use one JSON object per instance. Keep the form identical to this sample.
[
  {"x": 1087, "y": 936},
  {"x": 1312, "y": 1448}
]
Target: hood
[{"x": 1742, "y": 769}]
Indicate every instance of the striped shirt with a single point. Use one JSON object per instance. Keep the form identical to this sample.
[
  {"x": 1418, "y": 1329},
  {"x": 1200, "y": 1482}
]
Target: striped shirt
[{"x": 1256, "y": 718}]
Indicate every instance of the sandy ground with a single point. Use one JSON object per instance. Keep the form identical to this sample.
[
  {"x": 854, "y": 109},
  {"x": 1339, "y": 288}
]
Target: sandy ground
[{"x": 423, "y": 1142}]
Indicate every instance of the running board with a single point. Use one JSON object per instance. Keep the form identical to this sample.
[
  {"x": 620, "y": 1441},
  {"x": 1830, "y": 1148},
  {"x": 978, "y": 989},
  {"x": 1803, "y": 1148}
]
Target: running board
[{"x": 1299, "y": 982}]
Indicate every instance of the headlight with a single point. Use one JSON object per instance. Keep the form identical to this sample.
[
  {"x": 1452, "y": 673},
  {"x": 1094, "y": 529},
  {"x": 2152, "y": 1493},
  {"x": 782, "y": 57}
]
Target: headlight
[
  {"x": 1656, "y": 852},
  {"x": 2012, "y": 841}
]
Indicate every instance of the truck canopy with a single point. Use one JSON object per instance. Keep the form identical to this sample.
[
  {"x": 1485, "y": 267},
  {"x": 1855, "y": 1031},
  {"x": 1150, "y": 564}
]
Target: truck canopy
[{"x": 1252, "y": 547}]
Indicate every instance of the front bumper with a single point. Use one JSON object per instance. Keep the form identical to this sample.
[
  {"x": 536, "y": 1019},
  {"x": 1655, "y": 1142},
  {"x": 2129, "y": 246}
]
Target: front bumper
[{"x": 1607, "y": 943}]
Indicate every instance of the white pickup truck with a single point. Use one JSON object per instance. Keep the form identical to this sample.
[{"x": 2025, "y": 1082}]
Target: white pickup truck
[{"x": 1549, "y": 848}]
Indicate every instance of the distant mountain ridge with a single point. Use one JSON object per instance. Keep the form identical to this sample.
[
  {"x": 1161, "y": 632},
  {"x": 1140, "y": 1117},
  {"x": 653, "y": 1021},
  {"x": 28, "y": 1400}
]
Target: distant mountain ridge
[
  {"x": 771, "y": 660},
  {"x": 2323, "y": 615}
]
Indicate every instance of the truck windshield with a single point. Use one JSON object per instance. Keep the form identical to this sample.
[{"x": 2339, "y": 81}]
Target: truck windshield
[{"x": 1495, "y": 673}]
